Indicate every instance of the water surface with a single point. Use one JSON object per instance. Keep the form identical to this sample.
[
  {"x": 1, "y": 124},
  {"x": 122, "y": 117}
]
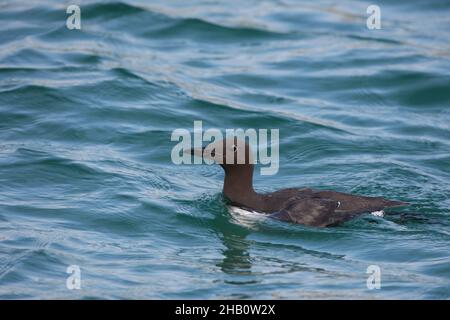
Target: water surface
[{"x": 85, "y": 171}]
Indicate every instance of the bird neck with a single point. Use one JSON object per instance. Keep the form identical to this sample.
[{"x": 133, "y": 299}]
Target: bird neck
[{"x": 238, "y": 187}]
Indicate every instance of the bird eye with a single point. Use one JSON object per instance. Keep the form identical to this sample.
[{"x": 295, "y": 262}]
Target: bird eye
[{"x": 234, "y": 148}]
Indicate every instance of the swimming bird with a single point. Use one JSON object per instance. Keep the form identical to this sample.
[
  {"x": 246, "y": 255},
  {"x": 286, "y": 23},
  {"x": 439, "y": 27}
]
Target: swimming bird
[{"x": 306, "y": 206}]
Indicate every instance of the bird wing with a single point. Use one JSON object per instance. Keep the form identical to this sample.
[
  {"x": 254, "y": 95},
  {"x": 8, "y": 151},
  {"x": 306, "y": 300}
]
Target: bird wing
[
  {"x": 313, "y": 211},
  {"x": 358, "y": 204}
]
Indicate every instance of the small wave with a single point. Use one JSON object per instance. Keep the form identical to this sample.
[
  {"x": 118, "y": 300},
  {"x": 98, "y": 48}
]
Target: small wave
[
  {"x": 202, "y": 30},
  {"x": 111, "y": 10}
]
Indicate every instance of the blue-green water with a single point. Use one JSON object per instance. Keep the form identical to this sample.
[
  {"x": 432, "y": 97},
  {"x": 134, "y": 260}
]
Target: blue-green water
[{"x": 85, "y": 171}]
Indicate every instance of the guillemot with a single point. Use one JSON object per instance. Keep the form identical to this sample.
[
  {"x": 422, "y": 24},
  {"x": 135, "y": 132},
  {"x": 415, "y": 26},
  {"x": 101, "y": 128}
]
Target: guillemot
[{"x": 306, "y": 206}]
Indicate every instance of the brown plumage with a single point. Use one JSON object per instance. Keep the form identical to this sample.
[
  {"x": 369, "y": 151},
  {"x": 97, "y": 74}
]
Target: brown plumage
[{"x": 304, "y": 206}]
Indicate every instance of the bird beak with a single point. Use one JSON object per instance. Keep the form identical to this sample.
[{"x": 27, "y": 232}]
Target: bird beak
[
  {"x": 195, "y": 151},
  {"x": 206, "y": 153}
]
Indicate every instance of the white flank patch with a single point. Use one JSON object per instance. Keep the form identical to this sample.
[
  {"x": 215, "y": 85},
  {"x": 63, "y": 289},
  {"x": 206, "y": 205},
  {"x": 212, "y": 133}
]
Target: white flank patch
[
  {"x": 378, "y": 213},
  {"x": 248, "y": 218}
]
